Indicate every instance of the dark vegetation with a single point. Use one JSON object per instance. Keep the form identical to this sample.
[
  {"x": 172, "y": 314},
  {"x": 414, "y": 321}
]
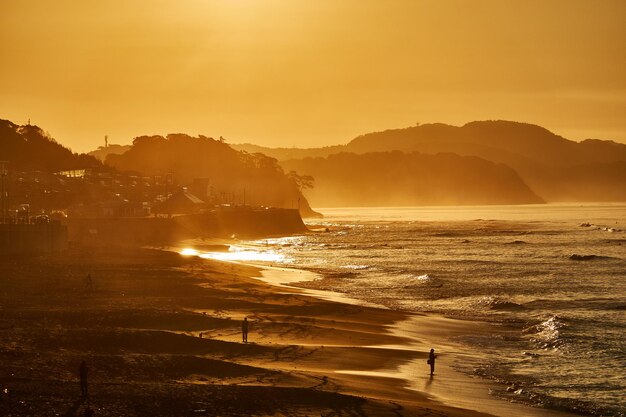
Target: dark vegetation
[
  {"x": 29, "y": 148},
  {"x": 33, "y": 163}
]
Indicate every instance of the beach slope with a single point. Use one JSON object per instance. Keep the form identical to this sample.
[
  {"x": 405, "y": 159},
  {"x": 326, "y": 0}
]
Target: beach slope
[{"x": 160, "y": 334}]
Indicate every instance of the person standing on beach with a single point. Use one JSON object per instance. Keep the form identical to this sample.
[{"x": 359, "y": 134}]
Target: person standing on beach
[
  {"x": 431, "y": 361},
  {"x": 89, "y": 282},
  {"x": 82, "y": 371},
  {"x": 244, "y": 330}
]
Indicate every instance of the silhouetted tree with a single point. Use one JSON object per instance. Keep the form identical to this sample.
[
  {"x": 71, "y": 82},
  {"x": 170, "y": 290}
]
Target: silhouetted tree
[{"x": 303, "y": 182}]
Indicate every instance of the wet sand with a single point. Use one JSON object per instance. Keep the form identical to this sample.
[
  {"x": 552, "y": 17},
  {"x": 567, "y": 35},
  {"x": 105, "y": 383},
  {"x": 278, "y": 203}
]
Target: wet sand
[
  {"x": 418, "y": 333},
  {"x": 139, "y": 330}
]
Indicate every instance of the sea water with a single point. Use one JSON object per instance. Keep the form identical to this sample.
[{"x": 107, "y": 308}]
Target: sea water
[{"x": 553, "y": 277}]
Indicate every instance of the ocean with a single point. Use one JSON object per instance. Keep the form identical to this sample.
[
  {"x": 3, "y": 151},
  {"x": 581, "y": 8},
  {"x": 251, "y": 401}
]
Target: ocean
[{"x": 552, "y": 277}]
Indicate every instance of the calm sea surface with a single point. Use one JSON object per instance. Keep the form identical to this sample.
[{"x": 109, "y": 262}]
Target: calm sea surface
[{"x": 506, "y": 264}]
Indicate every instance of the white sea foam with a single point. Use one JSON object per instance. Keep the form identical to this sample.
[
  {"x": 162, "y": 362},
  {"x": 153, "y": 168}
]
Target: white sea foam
[
  {"x": 356, "y": 267},
  {"x": 423, "y": 278},
  {"x": 568, "y": 313}
]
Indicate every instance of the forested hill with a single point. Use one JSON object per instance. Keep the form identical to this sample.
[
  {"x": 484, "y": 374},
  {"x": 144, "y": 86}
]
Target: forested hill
[
  {"x": 411, "y": 179},
  {"x": 521, "y": 140},
  {"x": 256, "y": 177},
  {"x": 29, "y": 148},
  {"x": 555, "y": 168}
]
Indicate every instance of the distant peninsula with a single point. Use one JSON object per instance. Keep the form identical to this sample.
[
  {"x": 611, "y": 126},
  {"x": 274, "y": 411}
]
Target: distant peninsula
[{"x": 482, "y": 162}]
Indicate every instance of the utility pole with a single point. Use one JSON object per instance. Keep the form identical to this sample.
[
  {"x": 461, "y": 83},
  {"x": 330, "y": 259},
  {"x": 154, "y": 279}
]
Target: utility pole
[{"x": 106, "y": 141}]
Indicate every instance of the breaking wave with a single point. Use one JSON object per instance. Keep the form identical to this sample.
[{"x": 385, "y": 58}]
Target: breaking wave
[
  {"x": 494, "y": 303},
  {"x": 548, "y": 334}
]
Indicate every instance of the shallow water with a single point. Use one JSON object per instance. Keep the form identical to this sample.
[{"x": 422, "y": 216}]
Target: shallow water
[{"x": 506, "y": 264}]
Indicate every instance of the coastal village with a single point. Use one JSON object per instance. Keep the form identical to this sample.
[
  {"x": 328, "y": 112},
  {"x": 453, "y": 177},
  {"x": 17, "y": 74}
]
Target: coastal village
[
  {"x": 41, "y": 210},
  {"x": 44, "y": 209},
  {"x": 95, "y": 291}
]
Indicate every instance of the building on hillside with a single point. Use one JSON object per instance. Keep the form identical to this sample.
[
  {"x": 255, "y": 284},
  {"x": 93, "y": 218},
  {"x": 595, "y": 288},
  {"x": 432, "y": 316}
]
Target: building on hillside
[
  {"x": 120, "y": 207},
  {"x": 182, "y": 202},
  {"x": 115, "y": 206},
  {"x": 202, "y": 188}
]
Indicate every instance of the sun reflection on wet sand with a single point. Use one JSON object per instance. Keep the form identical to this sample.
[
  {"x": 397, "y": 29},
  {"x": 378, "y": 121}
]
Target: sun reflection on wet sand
[
  {"x": 276, "y": 275},
  {"x": 238, "y": 254}
]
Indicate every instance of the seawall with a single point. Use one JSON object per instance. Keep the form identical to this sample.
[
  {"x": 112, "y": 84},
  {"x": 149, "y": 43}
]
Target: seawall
[
  {"x": 32, "y": 239},
  {"x": 244, "y": 222}
]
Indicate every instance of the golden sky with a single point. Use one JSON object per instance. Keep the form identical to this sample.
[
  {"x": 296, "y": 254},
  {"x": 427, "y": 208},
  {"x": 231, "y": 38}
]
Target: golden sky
[{"x": 309, "y": 73}]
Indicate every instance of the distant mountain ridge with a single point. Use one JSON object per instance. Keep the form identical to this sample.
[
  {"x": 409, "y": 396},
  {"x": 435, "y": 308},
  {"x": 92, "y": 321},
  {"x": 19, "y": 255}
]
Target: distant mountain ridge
[
  {"x": 523, "y": 139},
  {"x": 555, "y": 168}
]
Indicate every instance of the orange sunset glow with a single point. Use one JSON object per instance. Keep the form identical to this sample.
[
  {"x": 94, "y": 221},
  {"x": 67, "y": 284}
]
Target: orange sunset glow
[
  {"x": 309, "y": 73},
  {"x": 306, "y": 208}
]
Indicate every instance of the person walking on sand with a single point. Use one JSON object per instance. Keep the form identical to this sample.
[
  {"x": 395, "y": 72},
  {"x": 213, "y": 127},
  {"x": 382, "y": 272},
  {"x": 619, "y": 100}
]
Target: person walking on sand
[
  {"x": 431, "y": 361},
  {"x": 82, "y": 371},
  {"x": 89, "y": 282},
  {"x": 244, "y": 330}
]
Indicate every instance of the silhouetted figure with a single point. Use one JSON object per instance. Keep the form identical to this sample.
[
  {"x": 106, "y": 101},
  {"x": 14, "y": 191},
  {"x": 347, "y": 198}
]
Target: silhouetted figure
[
  {"x": 244, "y": 330},
  {"x": 83, "y": 370},
  {"x": 89, "y": 282},
  {"x": 431, "y": 361}
]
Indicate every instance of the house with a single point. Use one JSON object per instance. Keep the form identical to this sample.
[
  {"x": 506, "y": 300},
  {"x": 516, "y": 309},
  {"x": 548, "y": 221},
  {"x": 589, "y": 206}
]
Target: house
[{"x": 182, "y": 202}]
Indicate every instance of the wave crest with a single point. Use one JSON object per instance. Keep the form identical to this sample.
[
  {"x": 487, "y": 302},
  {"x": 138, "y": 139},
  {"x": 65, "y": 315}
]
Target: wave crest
[
  {"x": 495, "y": 303},
  {"x": 548, "y": 333}
]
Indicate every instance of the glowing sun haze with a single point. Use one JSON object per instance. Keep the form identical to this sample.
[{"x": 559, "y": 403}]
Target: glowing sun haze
[{"x": 309, "y": 73}]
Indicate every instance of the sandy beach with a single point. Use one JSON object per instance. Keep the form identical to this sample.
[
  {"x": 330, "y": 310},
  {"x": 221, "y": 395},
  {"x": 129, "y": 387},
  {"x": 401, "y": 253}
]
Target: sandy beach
[{"x": 160, "y": 333}]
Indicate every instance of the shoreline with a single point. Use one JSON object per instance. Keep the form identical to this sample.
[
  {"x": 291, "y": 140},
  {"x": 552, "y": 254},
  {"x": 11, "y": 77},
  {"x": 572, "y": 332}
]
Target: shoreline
[
  {"x": 161, "y": 335},
  {"x": 469, "y": 394}
]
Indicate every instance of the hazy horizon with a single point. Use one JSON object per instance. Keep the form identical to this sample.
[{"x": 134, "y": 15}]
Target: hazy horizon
[
  {"x": 129, "y": 141},
  {"x": 309, "y": 74}
]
